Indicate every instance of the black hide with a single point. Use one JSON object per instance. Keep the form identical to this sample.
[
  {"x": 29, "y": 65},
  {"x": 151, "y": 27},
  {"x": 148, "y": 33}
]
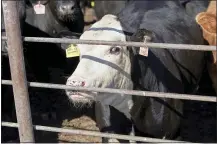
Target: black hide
[{"x": 164, "y": 70}]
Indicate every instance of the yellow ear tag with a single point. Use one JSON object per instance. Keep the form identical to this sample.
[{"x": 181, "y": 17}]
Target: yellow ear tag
[
  {"x": 92, "y": 3},
  {"x": 72, "y": 51}
]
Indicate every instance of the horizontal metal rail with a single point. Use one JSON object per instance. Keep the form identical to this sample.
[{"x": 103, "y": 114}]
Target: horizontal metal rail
[
  {"x": 115, "y": 43},
  {"x": 121, "y": 91},
  {"x": 92, "y": 133}
]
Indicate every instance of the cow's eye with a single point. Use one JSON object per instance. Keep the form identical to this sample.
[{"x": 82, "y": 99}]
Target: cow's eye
[{"x": 115, "y": 50}]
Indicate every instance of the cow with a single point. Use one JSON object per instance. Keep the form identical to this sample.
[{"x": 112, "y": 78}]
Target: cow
[
  {"x": 207, "y": 21},
  {"x": 42, "y": 58},
  {"x": 193, "y": 7},
  {"x": 59, "y": 15},
  {"x": 61, "y": 18},
  {"x": 121, "y": 67},
  {"x": 102, "y": 8}
]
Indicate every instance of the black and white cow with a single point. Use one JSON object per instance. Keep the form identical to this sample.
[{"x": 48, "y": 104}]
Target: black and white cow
[{"x": 120, "y": 67}]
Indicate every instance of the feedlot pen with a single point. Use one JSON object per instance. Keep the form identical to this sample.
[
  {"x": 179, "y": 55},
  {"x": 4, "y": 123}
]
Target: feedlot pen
[{"x": 199, "y": 124}]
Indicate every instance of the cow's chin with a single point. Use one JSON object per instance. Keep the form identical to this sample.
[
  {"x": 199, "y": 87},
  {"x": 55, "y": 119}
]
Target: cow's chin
[{"x": 81, "y": 99}]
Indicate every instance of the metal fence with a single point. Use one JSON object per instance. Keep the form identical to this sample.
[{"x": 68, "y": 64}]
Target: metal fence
[{"x": 20, "y": 84}]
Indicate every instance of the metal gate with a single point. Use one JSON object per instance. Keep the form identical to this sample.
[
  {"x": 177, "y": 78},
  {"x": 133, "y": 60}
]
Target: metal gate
[{"x": 20, "y": 84}]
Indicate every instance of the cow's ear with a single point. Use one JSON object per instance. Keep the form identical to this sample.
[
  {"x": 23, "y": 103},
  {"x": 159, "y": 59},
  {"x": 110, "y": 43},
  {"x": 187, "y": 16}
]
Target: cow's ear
[{"x": 141, "y": 35}]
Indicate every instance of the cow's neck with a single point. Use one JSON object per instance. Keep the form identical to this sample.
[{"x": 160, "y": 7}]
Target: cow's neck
[{"x": 122, "y": 103}]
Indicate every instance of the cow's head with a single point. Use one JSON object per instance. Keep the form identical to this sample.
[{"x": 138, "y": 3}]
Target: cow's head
[
  {"x": 103, "y": 66},
  {"x": 66, "y": 10}
]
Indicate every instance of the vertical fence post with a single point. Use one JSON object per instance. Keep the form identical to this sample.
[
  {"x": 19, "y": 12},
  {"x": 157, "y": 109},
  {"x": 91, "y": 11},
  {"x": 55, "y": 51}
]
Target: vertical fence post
[{"x": 18, "y": 72}]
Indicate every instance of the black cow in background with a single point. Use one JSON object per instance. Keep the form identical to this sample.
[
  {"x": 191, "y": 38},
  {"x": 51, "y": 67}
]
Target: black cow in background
[
  {"x": 61, "y": 19},
  {"x": 60, "y": 16},
  {"x": 108, "y": 7},
  {"x": 193, "y": 7},
  {"x": 199, "y": 124}
]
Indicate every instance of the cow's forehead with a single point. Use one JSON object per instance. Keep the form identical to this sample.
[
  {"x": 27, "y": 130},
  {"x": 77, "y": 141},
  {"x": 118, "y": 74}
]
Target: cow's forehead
[{"x": 108, "y": 28}]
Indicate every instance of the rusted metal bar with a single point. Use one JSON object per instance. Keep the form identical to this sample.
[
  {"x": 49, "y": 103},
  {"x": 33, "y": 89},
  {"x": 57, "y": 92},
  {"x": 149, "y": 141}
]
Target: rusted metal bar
[
  {"x": 18, "y": 72},
  {"x": 121, "y": 91},
  {"x": 93, "y": 133},
  {"x": 115, "y": 43}
]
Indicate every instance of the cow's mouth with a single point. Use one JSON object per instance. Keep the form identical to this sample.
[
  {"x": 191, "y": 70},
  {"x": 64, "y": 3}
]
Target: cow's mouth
[{"x": 83, "y": 97}]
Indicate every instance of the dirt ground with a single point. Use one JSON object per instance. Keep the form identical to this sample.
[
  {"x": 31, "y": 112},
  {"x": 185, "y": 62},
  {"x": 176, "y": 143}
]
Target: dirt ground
[{"x": 199, "y": 124}]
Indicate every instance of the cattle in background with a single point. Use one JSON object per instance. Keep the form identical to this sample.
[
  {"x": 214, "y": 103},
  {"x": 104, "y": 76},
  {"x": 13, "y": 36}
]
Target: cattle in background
[
  {"x": 45, "y": 59},
  {"x": 207, "y": 21},
  {"x": 40, "y": 58},
  {"x": 159, "y": 70},
  {"x": 59, "y": 15},
  {"x": 193, "y": 7},
  {"x": 108, "y": 7}
]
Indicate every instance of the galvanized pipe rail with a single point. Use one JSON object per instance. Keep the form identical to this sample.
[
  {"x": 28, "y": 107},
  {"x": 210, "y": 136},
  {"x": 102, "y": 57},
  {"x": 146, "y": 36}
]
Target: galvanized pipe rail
[
  {"x": 18, "y": 72},
  {"x": 121, "y": 91},
  {"x": 94, "y": 133},
  {"x": 19, "y": 82},
  {"x": 115, "y": 43}
]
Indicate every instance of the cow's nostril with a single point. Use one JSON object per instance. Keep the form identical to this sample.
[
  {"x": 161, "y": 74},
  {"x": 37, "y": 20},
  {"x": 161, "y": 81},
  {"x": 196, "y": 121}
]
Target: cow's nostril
[
  {"x": 72, "y": 7},
  {"x": 82, "y": 83},
  {"x": 67, "y": 7},
  {"x": 63, "y": 8},
  {"x": 76, "y": 83}
]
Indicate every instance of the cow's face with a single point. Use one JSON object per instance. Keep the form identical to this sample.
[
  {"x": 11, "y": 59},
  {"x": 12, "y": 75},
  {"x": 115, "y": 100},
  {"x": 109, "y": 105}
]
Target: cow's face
[
  {"x": 101, "y": 66},
  {"x": 66, "y": 10}
]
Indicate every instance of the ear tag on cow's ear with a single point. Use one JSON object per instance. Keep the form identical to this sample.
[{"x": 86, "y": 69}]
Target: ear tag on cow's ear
[
  {"x": 39, "y": 8},
  {"x": 72, "y": 51},
  {"x": 144, "y": 50},
  {"x": 92, "y": 3}
]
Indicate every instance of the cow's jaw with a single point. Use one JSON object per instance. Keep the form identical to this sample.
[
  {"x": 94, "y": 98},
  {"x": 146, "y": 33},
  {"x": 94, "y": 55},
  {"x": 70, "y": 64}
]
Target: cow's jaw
[{"x": 101, "y": 68}]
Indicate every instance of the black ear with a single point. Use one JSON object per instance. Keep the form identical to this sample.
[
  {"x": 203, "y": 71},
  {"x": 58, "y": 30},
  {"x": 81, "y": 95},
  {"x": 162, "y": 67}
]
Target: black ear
[
  {"x": 69, "y": 35},
  {"x": 139, "y": 36}
]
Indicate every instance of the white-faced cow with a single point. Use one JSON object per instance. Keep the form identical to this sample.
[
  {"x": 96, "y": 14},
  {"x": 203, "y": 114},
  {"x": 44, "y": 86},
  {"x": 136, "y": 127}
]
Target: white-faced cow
[{"x": 121, "y": 67}]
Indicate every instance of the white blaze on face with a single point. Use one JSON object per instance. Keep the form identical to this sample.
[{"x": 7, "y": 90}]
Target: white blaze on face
[{"x": 102, "y": 66}]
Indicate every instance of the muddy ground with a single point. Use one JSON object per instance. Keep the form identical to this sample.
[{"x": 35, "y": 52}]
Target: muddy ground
[{"x": 199, "y": 124}]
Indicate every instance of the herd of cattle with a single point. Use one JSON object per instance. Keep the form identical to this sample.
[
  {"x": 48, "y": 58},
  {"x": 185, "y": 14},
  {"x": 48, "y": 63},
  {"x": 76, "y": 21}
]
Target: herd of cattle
[{"x": 121, "y": 67}]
